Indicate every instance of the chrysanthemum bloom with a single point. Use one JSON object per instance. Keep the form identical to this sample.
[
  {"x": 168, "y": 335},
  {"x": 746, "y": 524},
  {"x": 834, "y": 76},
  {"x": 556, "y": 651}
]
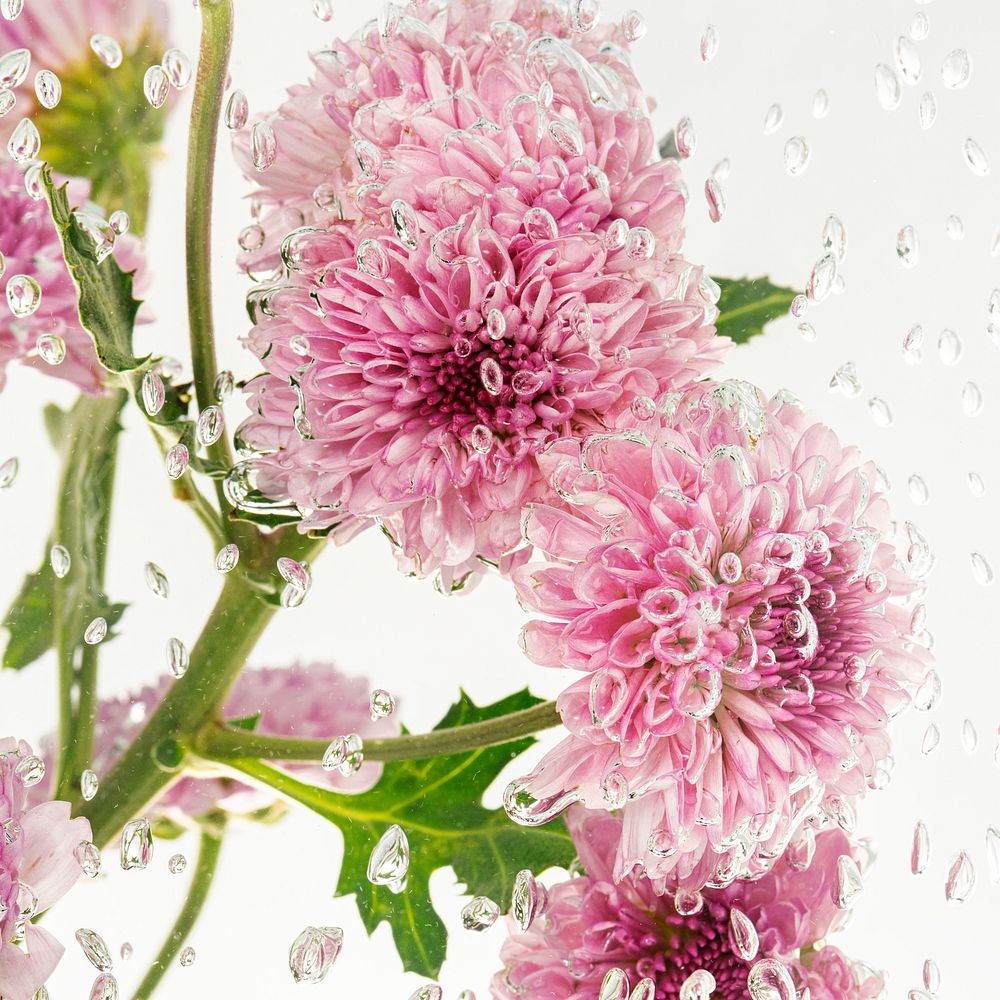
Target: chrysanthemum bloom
[
  {"x": 308, "y": 701},
  {"x": 727, "y": 581},
  {"x": 31, "y": 248},
  {"x": 102, "y": 127},
  {"x": 593, "y": 924},
  {"x": 507, "y": 273},
  {"x": 37, "y": 866}
]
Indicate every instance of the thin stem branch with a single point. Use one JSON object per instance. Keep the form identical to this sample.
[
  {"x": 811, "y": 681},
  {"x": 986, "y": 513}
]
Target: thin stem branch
[
  {"x": 201, "y": 882},
  {"x": 217, "y": 742},
  {"x": 206, "y": 109}
]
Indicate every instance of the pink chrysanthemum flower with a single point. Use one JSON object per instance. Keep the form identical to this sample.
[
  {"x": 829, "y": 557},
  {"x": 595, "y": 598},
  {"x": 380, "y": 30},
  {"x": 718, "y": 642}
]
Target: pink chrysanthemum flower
[
  {"x": 507, "y": 272},
  {"x": 37, "y": 867},
  {"x": 593, "y": 924},
  {"x": 31, "y": 248},
  {"x": 305, "y": 700},
  {"x": 726, "y": 580}
]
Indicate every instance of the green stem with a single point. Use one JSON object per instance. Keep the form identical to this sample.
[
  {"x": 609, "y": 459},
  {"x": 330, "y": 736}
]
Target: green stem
[
  {"x": 213, "y": 60},
  {"x": 201, "y": 882},
  {"x": 220, "y": 743},
  {"x": 237, "y": 621}
]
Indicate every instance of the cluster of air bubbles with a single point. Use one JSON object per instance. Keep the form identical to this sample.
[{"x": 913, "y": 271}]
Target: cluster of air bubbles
[
  {"x": 345, "y": 754},
  {"x": 174, "y": 70},
  {"x": 313, "y": 953}
]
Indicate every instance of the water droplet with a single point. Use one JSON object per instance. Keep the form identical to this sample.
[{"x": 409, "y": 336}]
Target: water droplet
[
  {"x": 11, "y": 9},
  {"x": 685, "y": 138},
  {"x": 51, "y": 348},
  {"x": 48, "y": 88},
  {"x": 156, "y": 580},
  {"x": 821, "y": 278},
  {"x": 640, "y": 243},
  {"x": 927, "y": 110},
  {"x": 928, "y": 693},
  {"x": 743, "y": 937},
  {"x": 972, "y": 399},
  {"x": 210, "y": 425},
  {"x": 645, "y": 989},
  {"x": 88, "y": 857},
  {"x": 584, "y": 14},
  {"x": 835, "y": 237},
  {"x": 975, "y": 157},
  {"x": 949, "y": 347},
  {"x": 237, "y": 110},
  {"x": 508, "y": 36},
  {"x": 821, "y": 104},
  {"x": 481, "y": 439},
  {"x": 404, "y": 223},
  {"x": 136, "y": 845},
  {"x": 177, "y": 66},
  {"x": 769, "y": 980},
  {"x": 479, "y": 914},
  {"x": 633, "y": 26},
  {"x": 961, "y": 879},
  {"x": 381, "y": 704},
  {"x": 313, "y": 953},
  {"x": 524, "y": 899},
  {"x": 390, "y": 858},
  {"x": 153, "y": 393},
  {"x": 845, "y": 380},
  {"x": 156, "y": 86},
  {"x": 322, "y": 10},
  {"x": 59, "y": 560},
  {"x": 615, "y": 985},
  {"x": 95, "y": 631},
  {"x": 30, "y": 770},
  {"x": 344, "y": 754},
  {"x": 187, "y": 957},
  {"x": 879, "y": 409},
  {"x": 99, "y": 234},
  {"x": 954, "y": 227},
  {"x": 372, "y": 259},
  {"x": 491, "y": 375},
  {"x": 907, "y": 246},
  {"x": 176, "y": 864},
  {"x": 107, "y": 50},
  {"x": 920, "y": 853},
  {"x": 887, "y": 87},
  {"x": 907, "y": 60},
  {"x": 227, "y": 558},
  {"x": 105, "y": 987},
  {"x": 848, "y": 882},
  {"x": 25, "y": 142},
  {"x": 95, "y": 949},
  {"x": 430, "y": 991},
  {"x": 176, "y": 461},
  {"x": 263, "y": 146},
  {"x": 956, "y": 69},
  {"x": 89, "y": 784},
  {"x": 919, "y": 26},
  {"x": 982, "y": 571},
  {"x": 976, "y": 485},
  {"x": 773, "y": 119},
  {"x": 797, "y": 154},
  {"x": 709, "y": 43},
  {"x": 932, "y": 737},
  {"x": 716, "y": 199},
  {"x": 177, "y": 657},
  {"x": 970, "y": 738},
  {"x": 222, "y": 387},
  {"x": 14, "y": 67},
  {"x": 918, "y": 489},
  {"x": 698, "y": 986}
]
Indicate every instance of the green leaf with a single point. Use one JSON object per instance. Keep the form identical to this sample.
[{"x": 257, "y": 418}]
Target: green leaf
[
  {"x": 89, "y": 440},
  {"x": 107, "y": 308},
  {"x": 438, "y": 803},
  {"x": 747, "y": 305}
]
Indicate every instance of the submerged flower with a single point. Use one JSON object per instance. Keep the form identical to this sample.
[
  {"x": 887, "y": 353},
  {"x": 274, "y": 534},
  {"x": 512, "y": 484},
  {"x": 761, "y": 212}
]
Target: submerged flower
[
  {"x": 102, "y": 127},
  {"x": 38, "y": 865},
  {"x": 729, "y": 586},
  {"x": 313, "y": 701},
  {"x": 48, "y": 336},
  {"x": 492, "y": 263},
  {"x": 592, "y": 924}
]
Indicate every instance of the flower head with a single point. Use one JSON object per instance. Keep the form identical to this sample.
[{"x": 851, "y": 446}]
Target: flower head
[
  {"x": 494, "y": 264},
  {"x": 593, "y": 924},
  {"x": 37, "y": 866},
  {"x": 305, "y": 700},
  {"x": 727, "y": 582},
  {"x": 32, "y": 251}
]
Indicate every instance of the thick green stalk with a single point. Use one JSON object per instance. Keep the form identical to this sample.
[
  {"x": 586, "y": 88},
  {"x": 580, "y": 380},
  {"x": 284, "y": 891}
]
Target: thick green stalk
[
  {"x": 217, "y": 742},
  {"x": 201, "y": 882},
  {"x": 206, "y": 109}
]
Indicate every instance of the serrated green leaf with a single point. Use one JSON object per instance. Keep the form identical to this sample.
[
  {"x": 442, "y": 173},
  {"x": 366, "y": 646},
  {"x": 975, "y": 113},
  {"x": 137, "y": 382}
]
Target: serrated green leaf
[
  {"x": 438, "y": 803},
  {"x": 89, "y": 442},
  {"x": 747, "y": 305},
  {"x": 107, "y": 308}
]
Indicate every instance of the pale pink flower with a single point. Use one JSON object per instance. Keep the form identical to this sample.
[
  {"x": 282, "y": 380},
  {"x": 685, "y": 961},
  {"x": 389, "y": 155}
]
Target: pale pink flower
[
  {"x": 37, "y": 866},
  {"x": 31, "y": 247},
  {"x": 726, "y": 580},
  {"x": 507, "y": 273},
  {"x": 309, "y": 701},
  {"x": 593, "y": 923}
]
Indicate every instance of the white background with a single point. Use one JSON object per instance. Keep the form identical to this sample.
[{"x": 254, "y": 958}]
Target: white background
[{"x": 878, "y": 171}]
